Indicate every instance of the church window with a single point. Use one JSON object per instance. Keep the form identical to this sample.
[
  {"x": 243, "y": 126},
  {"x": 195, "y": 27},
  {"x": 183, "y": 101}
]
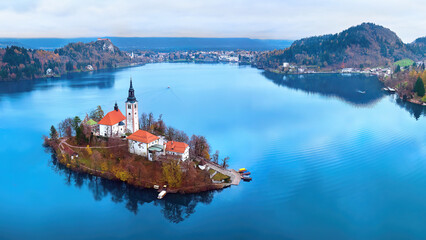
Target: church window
[{"x": 129, "y": 106}]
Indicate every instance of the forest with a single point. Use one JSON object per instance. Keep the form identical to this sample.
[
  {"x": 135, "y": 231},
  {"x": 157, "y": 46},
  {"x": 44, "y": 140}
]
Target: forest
[{"x": 21, "y": 63}]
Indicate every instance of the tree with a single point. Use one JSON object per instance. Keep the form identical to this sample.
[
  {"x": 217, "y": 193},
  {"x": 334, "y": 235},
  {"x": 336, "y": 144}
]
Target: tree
[
  {"x": 160, "y": 126},
  {"x": 80, "y": 136},
  {"x": 419, "y": 87},
  {"x": 225, "y": 162},
  {"x": 144, "y": 122},
  {"x": 53, "y": 133},
  {"x": 76, "y": 123},
  {"x": 172, "y": 173},
  {"x": 150, "y": 121},
  {"x": 199, "y": 147},
  {"x": 97, "y": 114},
  {"x": 397, "y": 69},
  {"x": 171, "y": 134},
  {"x": 65, "y": 127},
  {"x": 215, "y": 157}
]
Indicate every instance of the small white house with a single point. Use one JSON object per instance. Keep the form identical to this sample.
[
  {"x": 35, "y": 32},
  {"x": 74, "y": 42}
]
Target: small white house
[
  {"x": 112, "y": 125},
  {"x": 179, "y": 149},
  {"x": 145, "y": 144}
]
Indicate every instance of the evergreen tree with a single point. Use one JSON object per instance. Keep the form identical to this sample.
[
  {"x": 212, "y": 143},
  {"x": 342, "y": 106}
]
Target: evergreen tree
[
  {"x": 76, "y": 123},
  {"x": 397, "y": 69},
  {"x": 419, "y": 87},
  {"x": 53, "y": 133}
]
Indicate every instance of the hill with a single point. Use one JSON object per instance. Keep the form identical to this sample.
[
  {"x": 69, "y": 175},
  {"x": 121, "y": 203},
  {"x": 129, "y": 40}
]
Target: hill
[
  {"x": 419, "y": 47},
  {"x": 22, "y": 63},
  {"x": 365, "y": 45}
]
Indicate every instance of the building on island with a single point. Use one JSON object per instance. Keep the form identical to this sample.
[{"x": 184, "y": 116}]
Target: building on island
[
  {"x": 145, "y": 144},
  {"x": 115, "y": 124},
  {"x": 112, "y": 125},
  {"x": 91, "y": 124},
  {"x": 140, "y": 142},
  {"x": 179, "y": 149},
  {"x": 132, "y": 119}
]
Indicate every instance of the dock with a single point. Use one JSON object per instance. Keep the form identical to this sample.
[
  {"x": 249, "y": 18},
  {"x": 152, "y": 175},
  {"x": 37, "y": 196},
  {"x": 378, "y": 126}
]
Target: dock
[{"x": 233, "y": 174}]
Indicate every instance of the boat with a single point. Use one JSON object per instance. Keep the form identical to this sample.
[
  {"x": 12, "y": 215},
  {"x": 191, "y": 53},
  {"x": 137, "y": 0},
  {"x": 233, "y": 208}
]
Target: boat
[
  {"x": 245, "y": 173},
  {"x": 241, "y": 170},
  {"x": 246, "y": 178},
  {"x": 162, "y": 194},
  {"x": 359, "y": 91},
  {"x": 385, "y": 89},
  {"x": 168, "y": 87},
  {"x": 391, "y": 90}
]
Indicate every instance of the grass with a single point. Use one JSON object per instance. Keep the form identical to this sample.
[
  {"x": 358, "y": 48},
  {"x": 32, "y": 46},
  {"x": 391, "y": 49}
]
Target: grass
[
  {"x": 211, "y": 171},
  {"x": 404, "y": 62},
  {"x": 84, "y": 161},
  {"x": 219, "y": 177}
]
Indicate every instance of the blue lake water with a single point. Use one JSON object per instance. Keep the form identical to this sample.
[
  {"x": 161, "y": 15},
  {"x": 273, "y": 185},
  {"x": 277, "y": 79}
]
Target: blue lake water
[{"x": 328, "y": 161}]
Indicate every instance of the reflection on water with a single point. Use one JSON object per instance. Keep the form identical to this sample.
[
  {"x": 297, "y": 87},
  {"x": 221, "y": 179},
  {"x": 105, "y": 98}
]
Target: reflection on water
[
  {"x": 175, "y": 207},
  {"x": 356, "y": 89},
  {"x": 414, "y": 109},
  {"x": 101, "y": 80}
]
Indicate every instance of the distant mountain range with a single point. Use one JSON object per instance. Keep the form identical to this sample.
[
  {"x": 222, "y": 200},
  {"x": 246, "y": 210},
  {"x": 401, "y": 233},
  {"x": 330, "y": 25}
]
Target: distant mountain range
[
  {"x": 155, "y": 43},
  {"x": 365, "y": 45}
]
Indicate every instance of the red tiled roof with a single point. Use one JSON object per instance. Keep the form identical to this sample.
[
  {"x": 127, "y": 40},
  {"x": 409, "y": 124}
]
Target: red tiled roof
[
  {"x": 178, "y": 147},
  {"x": 143, "y": 136},
  {"x": 112, "y": 118}
]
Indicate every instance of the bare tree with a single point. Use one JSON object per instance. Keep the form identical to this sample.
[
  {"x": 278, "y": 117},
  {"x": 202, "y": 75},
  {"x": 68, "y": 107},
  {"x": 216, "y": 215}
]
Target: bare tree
[
  {"x": 215, "y": 157},
  {"x": 225, "y": 162}
]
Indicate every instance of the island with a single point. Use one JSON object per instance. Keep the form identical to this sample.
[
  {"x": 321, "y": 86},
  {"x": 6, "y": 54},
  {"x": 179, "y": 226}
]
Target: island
[{"x": 141, "y": 152}]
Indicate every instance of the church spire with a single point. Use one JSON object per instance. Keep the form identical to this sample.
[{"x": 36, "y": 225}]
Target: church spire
[{"x": 131, "y": 97}]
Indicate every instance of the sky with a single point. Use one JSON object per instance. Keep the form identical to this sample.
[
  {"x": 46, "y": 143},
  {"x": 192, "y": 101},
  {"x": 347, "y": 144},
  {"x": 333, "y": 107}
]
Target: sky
[{"x": 264, "y": 19}]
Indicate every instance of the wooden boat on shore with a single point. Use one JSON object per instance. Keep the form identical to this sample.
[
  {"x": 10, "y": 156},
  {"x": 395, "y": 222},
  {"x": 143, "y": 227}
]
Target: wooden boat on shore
[
  {"x": 245, "y": 173},
  {"x": 241, "y": 170},
  {"x": 162, "y": 194}
]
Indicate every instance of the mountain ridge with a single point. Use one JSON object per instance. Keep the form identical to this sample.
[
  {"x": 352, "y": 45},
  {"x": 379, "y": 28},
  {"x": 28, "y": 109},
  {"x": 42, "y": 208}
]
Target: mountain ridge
[{"x": 364, "y": 45}]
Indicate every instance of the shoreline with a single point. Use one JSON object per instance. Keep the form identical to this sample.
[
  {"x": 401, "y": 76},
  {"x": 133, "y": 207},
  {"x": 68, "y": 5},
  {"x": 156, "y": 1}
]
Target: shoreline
[
  {"x": 379, "y": 78},
  {"x": 76, "y": 164}
]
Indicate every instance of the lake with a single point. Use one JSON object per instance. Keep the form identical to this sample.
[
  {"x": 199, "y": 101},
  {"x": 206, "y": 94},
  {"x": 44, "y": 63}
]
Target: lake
[{"x": 331, "y": 156}]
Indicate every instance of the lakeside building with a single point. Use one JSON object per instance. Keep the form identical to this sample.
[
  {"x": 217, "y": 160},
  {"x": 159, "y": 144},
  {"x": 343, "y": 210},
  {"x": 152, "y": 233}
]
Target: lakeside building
[
  {"x": 145, "y": 144},
  {"x": 179, "y": 149}
]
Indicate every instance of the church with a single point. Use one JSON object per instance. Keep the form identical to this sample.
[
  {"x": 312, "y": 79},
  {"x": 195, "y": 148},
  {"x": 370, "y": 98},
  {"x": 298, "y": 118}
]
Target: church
[
  {"x": 140, "y": 142},
  {"x": 115, "y": 124}
]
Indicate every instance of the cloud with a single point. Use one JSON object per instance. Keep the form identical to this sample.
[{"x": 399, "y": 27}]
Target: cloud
[{"x": 220, "y": 18}]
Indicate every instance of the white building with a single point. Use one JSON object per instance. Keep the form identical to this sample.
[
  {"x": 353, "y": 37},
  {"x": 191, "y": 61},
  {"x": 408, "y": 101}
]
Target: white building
[
  {"x": 112, "y": 125},
  {"x": 145, "y": 144},
  {"x": 179, "y": 149},
  {"x": 132, "y": 119}
]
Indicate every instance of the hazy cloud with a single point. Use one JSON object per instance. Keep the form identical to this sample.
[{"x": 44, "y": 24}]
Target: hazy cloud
[{"x": 206, "y": 18}]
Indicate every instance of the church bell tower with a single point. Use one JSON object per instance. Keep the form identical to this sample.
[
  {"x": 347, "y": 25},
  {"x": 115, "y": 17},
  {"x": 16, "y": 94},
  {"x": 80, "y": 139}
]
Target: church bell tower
[{"x": 132, "y": 120}]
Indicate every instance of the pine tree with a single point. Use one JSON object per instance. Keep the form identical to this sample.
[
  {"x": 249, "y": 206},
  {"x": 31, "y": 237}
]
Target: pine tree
[
  {"x": 53, "y": 133},
  {"x": 419, "y": 87}
]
